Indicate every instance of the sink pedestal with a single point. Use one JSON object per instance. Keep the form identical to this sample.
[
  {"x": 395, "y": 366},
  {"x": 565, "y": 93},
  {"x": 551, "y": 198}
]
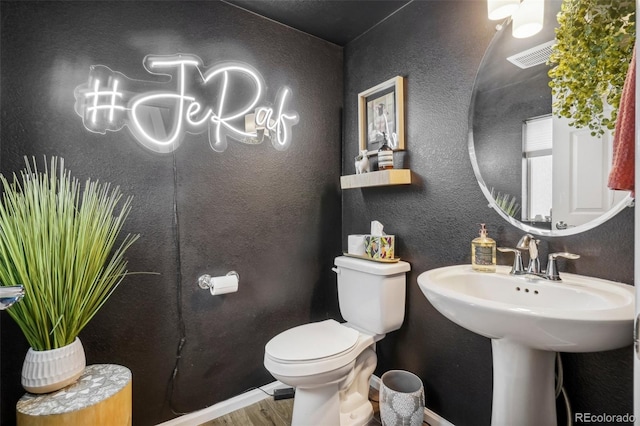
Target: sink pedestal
[
  {"x": 523, "y": 385},
  {"x": 518, "y": 314}
]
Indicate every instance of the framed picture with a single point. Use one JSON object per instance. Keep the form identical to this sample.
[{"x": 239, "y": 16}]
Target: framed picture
[{"x": 381, "y": 112}]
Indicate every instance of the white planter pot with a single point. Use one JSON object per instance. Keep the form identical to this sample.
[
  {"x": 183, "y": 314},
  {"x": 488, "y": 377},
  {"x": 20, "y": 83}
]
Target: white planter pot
[{"x": 49, "y": 371}]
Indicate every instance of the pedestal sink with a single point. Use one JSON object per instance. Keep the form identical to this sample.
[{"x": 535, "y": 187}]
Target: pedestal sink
[{"x": 528, "y": 320}]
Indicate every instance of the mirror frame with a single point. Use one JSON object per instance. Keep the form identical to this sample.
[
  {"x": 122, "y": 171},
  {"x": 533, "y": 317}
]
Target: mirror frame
[{"x": 628, "y": 201}]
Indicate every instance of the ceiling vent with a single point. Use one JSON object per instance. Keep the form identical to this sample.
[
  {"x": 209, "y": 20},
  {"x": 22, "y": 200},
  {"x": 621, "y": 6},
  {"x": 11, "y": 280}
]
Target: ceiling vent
[{"x": 535, "y": 56}]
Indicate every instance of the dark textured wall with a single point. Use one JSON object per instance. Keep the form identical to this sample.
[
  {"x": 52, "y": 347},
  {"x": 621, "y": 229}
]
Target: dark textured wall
[
  {"x": 438, "y": 46},
  {"x": 272, "y": 216},
  {"x": 275, "y": 217}
]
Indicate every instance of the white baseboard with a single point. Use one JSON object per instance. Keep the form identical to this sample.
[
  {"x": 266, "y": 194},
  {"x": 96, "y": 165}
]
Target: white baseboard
[
  {"x": 430, "y": 417},
  {"x": 224, "y": 407},
  {"x": 253, "y": 396}
]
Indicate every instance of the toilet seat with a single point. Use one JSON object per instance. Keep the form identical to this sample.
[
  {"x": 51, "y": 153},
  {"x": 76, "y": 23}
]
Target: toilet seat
[
  {"x": 316, "y": 340},
  {"x": 314, "y": 348}
]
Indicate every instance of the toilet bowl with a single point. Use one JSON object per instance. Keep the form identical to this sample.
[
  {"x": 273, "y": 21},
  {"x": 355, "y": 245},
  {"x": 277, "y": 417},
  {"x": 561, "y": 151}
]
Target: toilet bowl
[{"x": 330, "y": 363}]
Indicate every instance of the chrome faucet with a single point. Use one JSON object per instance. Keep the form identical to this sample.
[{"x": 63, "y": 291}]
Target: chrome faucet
[
  {"x": 10, "y": 295},
  {"x": 528, "y": 242}
]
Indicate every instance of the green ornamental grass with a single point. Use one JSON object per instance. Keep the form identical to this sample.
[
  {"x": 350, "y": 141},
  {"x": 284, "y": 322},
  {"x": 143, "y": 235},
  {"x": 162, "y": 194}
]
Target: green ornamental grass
[
  {"x": 60, "y": 241},
  {"x": 508, "y": 203}
]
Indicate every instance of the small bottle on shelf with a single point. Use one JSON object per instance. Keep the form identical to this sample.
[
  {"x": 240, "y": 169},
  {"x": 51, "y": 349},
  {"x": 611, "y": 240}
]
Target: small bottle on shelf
[{"x": 385, "y": 155}]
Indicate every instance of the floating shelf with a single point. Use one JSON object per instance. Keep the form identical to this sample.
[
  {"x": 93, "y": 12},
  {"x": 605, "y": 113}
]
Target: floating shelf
[{"x": 379, "y": 178}]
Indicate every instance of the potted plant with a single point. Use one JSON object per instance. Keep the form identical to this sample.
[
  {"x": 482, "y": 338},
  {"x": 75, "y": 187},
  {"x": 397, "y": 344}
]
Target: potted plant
[{"x": 61, "y": 241}]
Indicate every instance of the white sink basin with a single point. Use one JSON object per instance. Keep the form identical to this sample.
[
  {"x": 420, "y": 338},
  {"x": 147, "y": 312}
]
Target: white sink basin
[
  {"x": 529, "y": 320},
  {"x": 577, "y": 314}
]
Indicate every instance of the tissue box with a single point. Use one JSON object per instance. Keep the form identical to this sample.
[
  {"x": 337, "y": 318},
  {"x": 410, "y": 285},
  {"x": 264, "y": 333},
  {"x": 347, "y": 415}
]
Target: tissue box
[
  {"x": 356, "y": 245},
  {"x": 379, "y": 247}
]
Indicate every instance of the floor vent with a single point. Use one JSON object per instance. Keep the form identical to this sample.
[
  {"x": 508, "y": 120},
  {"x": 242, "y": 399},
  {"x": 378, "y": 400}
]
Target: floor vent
[{"x": 535, "y": 56}]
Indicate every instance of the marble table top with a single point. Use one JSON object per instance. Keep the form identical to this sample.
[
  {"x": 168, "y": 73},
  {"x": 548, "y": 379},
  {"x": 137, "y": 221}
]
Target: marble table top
[{"x": 97, "y": 383}]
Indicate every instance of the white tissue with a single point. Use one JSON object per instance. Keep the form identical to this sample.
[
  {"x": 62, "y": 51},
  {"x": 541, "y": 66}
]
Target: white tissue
[
  {"x": 376, "y": 228},
  {"x": 356, "y": 245}
]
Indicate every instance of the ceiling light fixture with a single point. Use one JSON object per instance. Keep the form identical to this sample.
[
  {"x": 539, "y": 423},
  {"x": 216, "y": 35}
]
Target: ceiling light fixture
[
  {"x": 528, "y": 19},
  {"x": 501, "y": 9},
  {"x": 528, "y": 15}
]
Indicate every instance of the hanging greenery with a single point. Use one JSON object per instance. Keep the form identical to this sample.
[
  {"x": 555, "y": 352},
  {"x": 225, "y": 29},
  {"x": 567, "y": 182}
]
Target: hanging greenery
[{"x": 594, "y": 46}]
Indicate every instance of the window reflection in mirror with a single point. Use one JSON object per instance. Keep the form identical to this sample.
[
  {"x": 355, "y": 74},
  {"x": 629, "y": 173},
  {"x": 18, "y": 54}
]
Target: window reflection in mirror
[{"x": 537, "y": 169}]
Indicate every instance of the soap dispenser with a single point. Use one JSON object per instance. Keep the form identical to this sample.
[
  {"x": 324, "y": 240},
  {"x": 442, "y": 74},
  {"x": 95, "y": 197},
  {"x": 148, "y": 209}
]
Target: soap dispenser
[{"x": 483, "y": 252}]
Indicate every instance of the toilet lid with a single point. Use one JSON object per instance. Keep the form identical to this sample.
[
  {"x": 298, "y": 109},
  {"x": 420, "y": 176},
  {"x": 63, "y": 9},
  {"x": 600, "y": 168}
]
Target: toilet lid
[{"x": 312, "y": 341}]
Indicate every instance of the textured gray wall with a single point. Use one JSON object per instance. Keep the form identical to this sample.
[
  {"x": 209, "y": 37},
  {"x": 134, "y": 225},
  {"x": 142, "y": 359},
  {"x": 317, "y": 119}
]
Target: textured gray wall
[
  {"x": 272, "y": 216},
  {"x": 438, "y": 46}
]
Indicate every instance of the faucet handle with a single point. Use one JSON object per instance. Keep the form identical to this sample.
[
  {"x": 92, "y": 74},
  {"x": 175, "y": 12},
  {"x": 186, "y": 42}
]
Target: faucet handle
[
  {"x": 518, "y": 266},
  {"x": 552, "y": 266}
]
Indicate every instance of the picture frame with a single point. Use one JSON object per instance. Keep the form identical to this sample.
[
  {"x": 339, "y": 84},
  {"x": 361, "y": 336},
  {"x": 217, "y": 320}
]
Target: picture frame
[{"x": 381, "y": 109}]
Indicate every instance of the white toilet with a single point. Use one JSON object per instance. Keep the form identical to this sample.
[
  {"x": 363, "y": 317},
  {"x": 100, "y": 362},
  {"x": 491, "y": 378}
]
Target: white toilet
[{"x": 330, "y": 363}]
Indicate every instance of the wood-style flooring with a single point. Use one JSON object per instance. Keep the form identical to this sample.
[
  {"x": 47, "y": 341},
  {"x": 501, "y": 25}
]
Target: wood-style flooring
[
  {"x": 263, "y": 413},
  {"x": 275, "y": 413}
]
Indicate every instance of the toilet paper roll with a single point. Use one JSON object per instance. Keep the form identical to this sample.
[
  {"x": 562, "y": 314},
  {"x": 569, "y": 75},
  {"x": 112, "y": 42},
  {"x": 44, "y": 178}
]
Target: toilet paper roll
[
  {"x": 356, "y": 245},
  {"x": 224, "y": 285}
]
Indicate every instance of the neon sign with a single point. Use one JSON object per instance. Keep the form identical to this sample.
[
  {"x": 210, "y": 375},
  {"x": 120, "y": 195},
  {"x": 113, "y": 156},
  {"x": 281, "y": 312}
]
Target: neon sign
[{"x": 224, "y": 100}]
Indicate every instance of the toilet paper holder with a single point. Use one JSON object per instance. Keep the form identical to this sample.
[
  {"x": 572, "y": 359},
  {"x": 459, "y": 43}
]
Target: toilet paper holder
[{"x": 220, "y": 285}]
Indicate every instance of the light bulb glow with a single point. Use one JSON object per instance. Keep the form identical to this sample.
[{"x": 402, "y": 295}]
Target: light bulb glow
[
  {"x": 97, "y": 94},
  {"x": 281, "y": 125},
  {"x": 528, "y": 19},
  {"x": 192, "y": 110},
  {"x": 501, "y": 9},
  {"x": 160, "y": 114},
  {"x": 222, "y": 122},
  {"x": 160, "y": 63}
]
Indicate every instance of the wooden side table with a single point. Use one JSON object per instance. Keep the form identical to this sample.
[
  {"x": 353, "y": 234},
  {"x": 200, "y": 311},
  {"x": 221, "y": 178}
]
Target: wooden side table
[{"x": 101, "y": 396}]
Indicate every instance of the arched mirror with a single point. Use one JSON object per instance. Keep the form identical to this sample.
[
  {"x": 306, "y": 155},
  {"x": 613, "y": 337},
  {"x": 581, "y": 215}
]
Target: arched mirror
[{"x": 540, "y": 174}]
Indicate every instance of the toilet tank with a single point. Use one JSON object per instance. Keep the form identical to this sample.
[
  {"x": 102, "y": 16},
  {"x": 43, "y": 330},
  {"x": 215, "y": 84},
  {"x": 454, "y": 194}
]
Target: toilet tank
[{"x": 372, "y": 294}]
